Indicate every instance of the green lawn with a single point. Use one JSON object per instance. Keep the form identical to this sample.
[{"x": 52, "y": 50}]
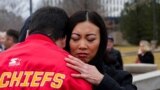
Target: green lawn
[{"x": 131, "y": 59}]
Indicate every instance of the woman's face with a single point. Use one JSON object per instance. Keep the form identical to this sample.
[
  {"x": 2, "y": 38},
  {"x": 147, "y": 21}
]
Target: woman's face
[
  {"x": 141, "y": 47},
  {"x": 85, "y": 40}
]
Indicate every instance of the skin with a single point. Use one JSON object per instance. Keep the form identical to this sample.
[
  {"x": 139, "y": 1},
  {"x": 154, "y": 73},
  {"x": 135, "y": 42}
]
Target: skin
[
  {"x": 61, "y": 42},
  {"x": 141, "y": 47},
  {"x": 85, "y": 40},
  {"x": 9, "y": 42},
  {"x": 87, "y": 72},
  {"x": 110, "y": 45}
]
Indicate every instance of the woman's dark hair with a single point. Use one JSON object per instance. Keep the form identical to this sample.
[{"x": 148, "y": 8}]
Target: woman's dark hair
[
  {"x": 96, "y": 19},
  {"x": 50, "y": 21}
]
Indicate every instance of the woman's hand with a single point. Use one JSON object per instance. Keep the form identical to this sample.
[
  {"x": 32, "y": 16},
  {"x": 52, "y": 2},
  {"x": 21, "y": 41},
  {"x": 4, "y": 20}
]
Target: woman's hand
[
  {"x": 87, "y": 72},
  {"x": 139, "y": 51}
]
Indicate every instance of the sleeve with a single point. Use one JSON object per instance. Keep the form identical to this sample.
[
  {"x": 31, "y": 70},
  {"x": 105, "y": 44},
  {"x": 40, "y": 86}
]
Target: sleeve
[
  {"x": 120, "y": 59},
  {"x": 108, "y": 83}
]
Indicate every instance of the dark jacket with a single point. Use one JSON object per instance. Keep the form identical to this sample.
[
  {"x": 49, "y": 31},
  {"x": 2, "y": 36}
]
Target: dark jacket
[
  {"x": 115, "y": 55},
  {"x": 116, "y": 80},
  {"x": 147, "y": 57}
]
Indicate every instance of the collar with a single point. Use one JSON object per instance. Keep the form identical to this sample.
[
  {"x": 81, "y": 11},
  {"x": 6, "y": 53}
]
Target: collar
[{"x": 40, "y": 37}]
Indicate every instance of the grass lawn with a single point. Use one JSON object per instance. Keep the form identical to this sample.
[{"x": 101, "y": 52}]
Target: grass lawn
[{"x": 131, "y": 59}]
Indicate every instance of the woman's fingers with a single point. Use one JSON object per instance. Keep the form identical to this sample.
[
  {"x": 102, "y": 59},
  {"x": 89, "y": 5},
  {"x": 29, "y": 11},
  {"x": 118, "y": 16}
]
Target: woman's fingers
[
  {"x": 79, "y": 76},
  {"x": 79, "y": 69},
  {"x": 74, "y": 58},
  {"x": 76, "y": 75},
  {"x": 72, "y": 61}
]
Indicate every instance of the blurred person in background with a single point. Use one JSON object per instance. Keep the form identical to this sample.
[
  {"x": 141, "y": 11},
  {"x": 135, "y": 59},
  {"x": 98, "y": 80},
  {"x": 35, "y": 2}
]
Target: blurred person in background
[
  {"x": 144, "y": 53},
  {"x": 11, "y": 38},
  {"x": 114, "y": 54},
  {"x": 2, "y": 38}
]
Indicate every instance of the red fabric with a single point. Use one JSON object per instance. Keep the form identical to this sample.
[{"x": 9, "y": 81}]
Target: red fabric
[{"x": 36, "y": 58}]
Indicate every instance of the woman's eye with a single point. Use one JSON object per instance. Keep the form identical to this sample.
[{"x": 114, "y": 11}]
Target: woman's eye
[
  {"x": 75, "y": 38},
  {"x": 91, "y": 39}
]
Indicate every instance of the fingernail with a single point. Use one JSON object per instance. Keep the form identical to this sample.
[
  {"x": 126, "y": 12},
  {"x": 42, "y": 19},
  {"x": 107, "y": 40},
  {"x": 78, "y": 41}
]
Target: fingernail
[
  {"x": 69, "y": 56},
  {"x": 65, "y": 58},
  {"x": 67, "y": 64}
]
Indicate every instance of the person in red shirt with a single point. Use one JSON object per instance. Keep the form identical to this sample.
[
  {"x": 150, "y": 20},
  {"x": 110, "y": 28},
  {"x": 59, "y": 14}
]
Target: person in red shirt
[{"x": 38, "y": 62}]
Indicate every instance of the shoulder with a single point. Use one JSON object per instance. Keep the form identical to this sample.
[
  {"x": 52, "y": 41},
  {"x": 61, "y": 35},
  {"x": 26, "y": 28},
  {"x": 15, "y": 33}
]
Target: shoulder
[
  {"x": 148, "y": 52},
  {"x": 118, "y": 75},
  {"x": 116, "y": 50},
  {"x": 118, "y": 80},
  {"x": 122, "y": 77}
]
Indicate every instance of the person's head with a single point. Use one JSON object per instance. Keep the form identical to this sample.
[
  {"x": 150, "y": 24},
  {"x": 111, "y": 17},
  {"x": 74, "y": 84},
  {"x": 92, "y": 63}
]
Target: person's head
[
  {"x": 144, "y": 46},
  {"x": 2, "y": 37},
  {"x": 50, "y": 21},
  {"x": 11, "y": 38},
  {"x": 110, "y": 43},
  {"x": 86, "y": 36}
]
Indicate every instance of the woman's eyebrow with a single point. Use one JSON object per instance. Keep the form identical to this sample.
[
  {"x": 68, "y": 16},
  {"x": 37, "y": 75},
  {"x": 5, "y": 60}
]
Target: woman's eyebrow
[
  {"x": 75, "y": 34},
  {"x": 91, "y": 34}
]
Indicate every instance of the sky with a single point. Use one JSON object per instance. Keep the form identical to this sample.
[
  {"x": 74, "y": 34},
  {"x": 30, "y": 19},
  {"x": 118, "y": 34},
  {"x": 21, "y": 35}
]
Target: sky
[{"x": 113, "y": 7}]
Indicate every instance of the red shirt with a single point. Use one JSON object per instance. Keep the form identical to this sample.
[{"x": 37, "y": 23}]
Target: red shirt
[{"x": 37, "y": 64}]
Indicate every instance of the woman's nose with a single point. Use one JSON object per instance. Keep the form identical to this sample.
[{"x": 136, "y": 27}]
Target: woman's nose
[{"x": 82, "y": 45}]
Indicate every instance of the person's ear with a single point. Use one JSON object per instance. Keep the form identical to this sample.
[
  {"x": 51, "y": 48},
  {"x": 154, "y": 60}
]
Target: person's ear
[
  {"x": 64, "y": 42},
  {"x": 61, "y": 42}
]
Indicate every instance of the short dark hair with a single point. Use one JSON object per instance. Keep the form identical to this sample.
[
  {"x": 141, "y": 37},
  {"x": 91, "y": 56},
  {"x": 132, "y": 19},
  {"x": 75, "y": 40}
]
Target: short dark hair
[
  {"x": 50, "y": 21},
  {"x": 96, "y": 19},
  {"x": 14, "y": 34},
  {"x": 23, "y": 31}
]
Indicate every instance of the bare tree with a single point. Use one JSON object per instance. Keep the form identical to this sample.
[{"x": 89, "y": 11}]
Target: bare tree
[
  {"x": 9, "y": 20},
  {"x": 72, "y": 6},
  {"x": 15, "y": 6},
  {"x": 43, "y": 3}
]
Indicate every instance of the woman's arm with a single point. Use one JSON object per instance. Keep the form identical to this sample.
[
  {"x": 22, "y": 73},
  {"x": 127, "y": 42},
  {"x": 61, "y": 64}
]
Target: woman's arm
[
  {"x": 87, "y": 72},
  {"x": 121, "y": 81}
]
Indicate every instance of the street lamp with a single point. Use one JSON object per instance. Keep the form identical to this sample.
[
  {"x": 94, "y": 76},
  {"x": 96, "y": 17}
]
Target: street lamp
[{"x": 30, "y": 4}]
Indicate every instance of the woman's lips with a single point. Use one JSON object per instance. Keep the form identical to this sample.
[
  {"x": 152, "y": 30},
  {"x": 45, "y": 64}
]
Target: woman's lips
[{"x": 82, "y": 55}]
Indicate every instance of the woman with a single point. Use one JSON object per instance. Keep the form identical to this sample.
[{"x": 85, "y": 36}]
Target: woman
[
  {"x": 144, "y": 53},
  {"x": 86, "y": 40}
]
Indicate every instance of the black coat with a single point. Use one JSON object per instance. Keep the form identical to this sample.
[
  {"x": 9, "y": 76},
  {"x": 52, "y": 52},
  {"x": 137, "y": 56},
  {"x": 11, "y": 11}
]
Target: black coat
[
  {"x": 116, "y": 80},
  {"x": 115, "y": 55},
  {"x": 147, "y": 57}
]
